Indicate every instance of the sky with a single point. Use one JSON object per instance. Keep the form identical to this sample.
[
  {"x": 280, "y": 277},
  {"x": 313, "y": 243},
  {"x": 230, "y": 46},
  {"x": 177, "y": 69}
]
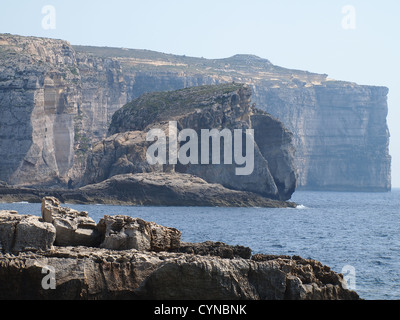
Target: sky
[{"x": 352, "y": 40}]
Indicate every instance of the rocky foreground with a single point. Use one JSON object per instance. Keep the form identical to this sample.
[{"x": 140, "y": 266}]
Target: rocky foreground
[{"x": 65, "y": 255}]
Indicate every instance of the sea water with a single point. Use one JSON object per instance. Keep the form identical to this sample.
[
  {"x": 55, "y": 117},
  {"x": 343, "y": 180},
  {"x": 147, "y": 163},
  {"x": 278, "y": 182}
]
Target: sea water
[{"x": 360, "y": 230}]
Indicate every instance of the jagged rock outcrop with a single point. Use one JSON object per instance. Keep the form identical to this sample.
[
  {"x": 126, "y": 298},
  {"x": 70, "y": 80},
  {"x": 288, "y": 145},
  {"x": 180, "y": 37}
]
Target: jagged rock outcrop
[
  {"x": 73, "y": 228},
  {"x": 219, "y": 107},
  {"x": 24, "y": 233},
  {"x": 124, "y": 233},
  {"x": 57, "y": 100},
  {"x": 207, "y": 271},
  {"x": 91, "y": 273},
  {"x": 340, "y": 128}
]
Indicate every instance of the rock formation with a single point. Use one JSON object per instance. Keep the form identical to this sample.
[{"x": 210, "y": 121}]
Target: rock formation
[
  {"x": 167, "y": 189},
  {"x": 24, "y": 233},
  {"x": 153, "y": 189},
  {"x": 57, "y": 100},
  {"x": 153, "y": 265},
  {"x": 72, "y": 227},
  {"x": 205, "y": 107},
  {"x": 124, "y": 233}
]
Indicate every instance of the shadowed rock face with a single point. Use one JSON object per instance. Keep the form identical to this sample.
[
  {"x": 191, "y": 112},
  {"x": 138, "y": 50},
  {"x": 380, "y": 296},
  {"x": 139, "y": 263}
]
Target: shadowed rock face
[
  {"x": 100, "y": 274},
  {"x": 167, "y": 189},
  {"x": 206, "y": 107}
]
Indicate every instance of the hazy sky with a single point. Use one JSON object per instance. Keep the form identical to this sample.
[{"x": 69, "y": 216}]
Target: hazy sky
[{"x": 307, "y": 35}]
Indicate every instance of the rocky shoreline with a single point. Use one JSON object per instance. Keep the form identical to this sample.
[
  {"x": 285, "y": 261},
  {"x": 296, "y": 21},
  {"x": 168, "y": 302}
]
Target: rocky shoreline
[{"x": 128, "y": 258}]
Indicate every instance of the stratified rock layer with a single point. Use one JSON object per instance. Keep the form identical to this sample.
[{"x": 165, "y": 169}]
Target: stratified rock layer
[{"x": 56, "y": 101}]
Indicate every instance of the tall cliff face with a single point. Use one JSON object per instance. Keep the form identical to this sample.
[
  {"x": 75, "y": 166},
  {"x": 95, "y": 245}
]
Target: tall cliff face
[
  {"x": 39, "y": 94},
  {"x": 54, "y": 103},
  {"x": 340, "y": 130},
  {"x": 341, "y": 134}
]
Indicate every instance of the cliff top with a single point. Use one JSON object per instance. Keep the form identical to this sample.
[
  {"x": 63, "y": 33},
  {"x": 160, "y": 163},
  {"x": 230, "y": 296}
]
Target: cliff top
[
  {"x": 157, "y": 106},
  {"x": 240, "y": 65},
  {"x": 249, "y": 68}
]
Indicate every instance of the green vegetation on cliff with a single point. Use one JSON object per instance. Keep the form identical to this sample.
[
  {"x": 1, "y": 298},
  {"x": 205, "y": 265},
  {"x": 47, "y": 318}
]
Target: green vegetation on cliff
[{"x": 164, "y": 105}]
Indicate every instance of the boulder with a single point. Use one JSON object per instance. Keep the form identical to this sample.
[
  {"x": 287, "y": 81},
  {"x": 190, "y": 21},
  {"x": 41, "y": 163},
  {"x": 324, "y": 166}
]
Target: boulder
[
  {"x": 19, "y": 233},
  {"x": 125, "y": 233},
  {"x": 73, "y": 228}
]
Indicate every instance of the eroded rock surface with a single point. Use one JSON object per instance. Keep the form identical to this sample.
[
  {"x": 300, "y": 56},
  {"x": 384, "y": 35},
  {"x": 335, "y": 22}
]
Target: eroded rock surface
[
  {"x": 72, "y": 227},
  {"x": 167, "y": 189},
  {"x": 143, "y": 260},
  {"x": 20, "y": 233},
  {"x": 92, "y": 273},
  {"x": 124, "y": 233}
]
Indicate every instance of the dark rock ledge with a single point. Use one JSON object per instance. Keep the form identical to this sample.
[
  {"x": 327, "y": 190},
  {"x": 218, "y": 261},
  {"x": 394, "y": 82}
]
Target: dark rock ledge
[
  {"x": 148, "y": 189},
  {"x": 129, "y": 258}
]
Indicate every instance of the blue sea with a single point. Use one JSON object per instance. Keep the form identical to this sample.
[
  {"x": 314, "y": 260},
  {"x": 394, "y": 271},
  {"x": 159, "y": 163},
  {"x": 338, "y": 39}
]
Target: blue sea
[{"x": 360, "y": 230}]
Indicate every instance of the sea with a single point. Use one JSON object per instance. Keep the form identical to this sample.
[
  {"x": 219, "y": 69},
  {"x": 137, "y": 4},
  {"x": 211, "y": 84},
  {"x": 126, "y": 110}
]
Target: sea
[{"x": 356, "y": 234}]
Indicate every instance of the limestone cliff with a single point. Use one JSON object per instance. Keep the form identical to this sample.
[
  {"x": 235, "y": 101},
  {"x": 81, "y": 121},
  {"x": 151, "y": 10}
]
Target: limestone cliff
[
  {"x": 340, "y": 129},
  {"x": 54, "y": 102},
  {"x": 57, "y": 100},
  {"x": 39, "y": 97}
]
